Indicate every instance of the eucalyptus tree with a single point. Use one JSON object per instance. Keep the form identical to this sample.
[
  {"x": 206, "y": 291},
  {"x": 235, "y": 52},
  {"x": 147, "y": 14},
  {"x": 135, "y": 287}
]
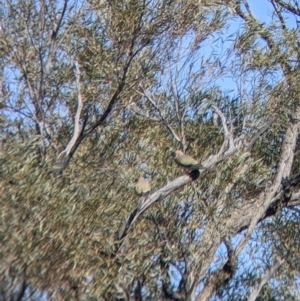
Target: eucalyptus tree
[{"x": 97, "y": 94}]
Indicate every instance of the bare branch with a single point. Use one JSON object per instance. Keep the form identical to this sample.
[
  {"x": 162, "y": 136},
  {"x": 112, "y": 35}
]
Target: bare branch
[
  {"x": 229, "y": 142},
  {"x": 228, "y": 134},
  {"x": 77, "y": 128}
]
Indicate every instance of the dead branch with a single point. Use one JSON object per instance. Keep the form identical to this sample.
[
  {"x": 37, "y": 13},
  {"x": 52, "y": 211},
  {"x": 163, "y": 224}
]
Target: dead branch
[{"x": 77, "y": 128}]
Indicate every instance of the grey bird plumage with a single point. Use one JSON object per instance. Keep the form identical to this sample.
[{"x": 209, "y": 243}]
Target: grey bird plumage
[
  {"x": 142, "y": 186},
  {"x": 185, "y": 161}
]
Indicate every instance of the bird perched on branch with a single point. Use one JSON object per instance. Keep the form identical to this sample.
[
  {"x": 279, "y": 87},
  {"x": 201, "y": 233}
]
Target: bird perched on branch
[
  {"x": 186, "y": 162},
  {"x": 142, "y": 186}
]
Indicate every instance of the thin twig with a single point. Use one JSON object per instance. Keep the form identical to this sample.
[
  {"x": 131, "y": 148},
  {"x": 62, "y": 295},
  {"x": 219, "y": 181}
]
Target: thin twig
[{"x": 163, "y": 119}]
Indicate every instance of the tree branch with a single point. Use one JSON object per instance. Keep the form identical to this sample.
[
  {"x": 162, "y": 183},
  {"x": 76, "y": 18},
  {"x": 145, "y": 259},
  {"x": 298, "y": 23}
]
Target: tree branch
[
  {"x": 284, "y": 169},
  {"x": 265, "y": 279},
  {"x": 77, "y": 128},
  {"x": 163, "y": 119},
  {"x": 159, "y": 194},
  {"x": 261, "y": 132},
  {"x": 289, "y": 7},
  {"x": 227, "y": 134}
]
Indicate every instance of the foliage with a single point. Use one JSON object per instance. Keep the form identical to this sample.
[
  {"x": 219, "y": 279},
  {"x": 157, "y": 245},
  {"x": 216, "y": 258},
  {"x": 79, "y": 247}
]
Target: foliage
[{"x": 94, "y": 95}]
